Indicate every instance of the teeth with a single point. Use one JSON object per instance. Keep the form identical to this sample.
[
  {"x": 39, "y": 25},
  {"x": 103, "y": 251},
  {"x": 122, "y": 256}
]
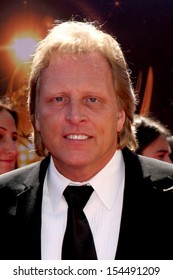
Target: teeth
[{"x": 77, "y": 137}]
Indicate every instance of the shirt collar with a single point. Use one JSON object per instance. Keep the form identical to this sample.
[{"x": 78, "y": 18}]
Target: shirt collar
[
  {"x": 109, "y": 180},
  {"x": 106, "y": 183}
]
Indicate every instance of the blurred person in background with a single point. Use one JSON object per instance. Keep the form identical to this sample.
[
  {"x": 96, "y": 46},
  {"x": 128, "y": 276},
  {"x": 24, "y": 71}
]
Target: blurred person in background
[
  {"x": 152, "y": 137},
  {"x": 170, "y": 141},
  {"x": 8, "y": 138}
]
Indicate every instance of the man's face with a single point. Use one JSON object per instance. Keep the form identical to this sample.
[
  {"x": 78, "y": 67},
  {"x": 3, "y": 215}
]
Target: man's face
[{"x": 77, "y": 115}]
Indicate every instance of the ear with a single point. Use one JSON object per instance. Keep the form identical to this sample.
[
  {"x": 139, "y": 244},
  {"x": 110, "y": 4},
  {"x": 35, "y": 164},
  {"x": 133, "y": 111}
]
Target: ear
[
  {"x": 37, "y": 122},
  {"x": 120, "y": 120}
]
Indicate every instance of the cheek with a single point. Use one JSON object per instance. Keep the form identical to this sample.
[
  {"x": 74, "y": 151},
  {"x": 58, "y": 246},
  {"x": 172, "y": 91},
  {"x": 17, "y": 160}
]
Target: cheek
[
  {"x": 1, "y": 148},
  {"x": 48, "y": 124},
  {"x": 17, "y": 152},
  {"x": 148, "y": 152},
  {"x": 3, "y": 143}
]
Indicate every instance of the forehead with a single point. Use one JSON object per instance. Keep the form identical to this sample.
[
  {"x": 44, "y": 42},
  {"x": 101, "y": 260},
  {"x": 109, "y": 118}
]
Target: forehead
[
  {"x": 6, "y": 120},
  {"x": 159, "y": 144},
  {"x": 85, "y": 67},
  {"x": 69, "y": 61}
]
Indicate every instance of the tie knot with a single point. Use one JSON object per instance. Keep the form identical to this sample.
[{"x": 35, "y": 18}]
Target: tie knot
[{"x": 77, "y": 196}]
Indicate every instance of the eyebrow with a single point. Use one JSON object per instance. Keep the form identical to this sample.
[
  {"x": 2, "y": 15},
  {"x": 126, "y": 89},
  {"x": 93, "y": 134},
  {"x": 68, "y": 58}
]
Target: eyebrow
[
  {"x": 162, "y": 151},
  {"x": 5, "y": 129},
  {"x": 1, "y": 127}
]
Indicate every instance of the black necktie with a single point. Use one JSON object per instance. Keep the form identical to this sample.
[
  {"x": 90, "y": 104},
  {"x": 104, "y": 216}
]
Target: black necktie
[{"x": 78, "y": 243}]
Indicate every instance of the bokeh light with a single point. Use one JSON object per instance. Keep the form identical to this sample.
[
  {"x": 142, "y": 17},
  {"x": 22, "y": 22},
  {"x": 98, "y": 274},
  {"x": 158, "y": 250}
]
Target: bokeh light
[{"x": 23, "y": 48}]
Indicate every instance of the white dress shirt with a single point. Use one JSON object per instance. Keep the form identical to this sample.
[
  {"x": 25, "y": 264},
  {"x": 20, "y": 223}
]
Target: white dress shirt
[{"x": 103, "y": 210}]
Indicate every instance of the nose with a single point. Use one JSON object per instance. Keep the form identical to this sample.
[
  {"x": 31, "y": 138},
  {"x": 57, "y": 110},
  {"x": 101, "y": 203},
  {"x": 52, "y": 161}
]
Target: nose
[
  {"x": 75, "y": 113},
  {"x": 11, "y": 147}
]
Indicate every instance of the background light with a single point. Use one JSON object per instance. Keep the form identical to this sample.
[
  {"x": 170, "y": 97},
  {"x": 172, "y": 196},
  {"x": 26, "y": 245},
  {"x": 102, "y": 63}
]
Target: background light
[{"x": 23, "y": 48}]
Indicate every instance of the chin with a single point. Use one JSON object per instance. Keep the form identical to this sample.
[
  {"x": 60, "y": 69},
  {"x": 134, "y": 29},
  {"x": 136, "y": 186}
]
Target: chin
[{"x": 77, "y": 163}]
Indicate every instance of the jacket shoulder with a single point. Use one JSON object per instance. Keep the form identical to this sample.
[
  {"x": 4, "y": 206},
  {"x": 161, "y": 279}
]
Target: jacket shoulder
[
  {"x": 156, "y": 167},
  {"x": 18, "y": 174},
  {"x": 161, "y": 173},
  {"x": 24, "y": 176}
]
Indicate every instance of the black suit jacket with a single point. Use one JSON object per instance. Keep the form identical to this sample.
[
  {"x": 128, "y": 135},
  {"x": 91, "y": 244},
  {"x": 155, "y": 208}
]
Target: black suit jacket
[{"x": 146, "y": 224}]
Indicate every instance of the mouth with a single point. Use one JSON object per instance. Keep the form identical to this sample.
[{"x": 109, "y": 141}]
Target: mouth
[
  {"x": 8, "y": 160},
  {"x": 79, "y": 137}
]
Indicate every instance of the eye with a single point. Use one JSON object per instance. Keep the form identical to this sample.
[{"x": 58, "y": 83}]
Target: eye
[
  {"x": 161, "y": 156},
  {"x": 93, "y": 99},
  {"x": 60, "y": 99},
  {"x": 14, "y": 138},
  {"x": 1, "y": 136}
]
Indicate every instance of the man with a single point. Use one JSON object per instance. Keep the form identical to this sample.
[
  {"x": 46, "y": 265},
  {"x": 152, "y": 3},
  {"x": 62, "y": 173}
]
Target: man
[{"x": 82, "y": 104}]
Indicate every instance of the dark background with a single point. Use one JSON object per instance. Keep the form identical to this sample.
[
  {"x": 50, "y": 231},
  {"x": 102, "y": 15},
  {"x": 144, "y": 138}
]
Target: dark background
[{"x": 144, "y": 30}]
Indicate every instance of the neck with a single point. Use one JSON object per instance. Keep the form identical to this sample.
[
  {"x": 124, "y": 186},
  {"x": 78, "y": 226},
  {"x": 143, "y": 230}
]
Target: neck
[
  {"x": 84, "y": 171},
  {"x": 78, "y": 175}
]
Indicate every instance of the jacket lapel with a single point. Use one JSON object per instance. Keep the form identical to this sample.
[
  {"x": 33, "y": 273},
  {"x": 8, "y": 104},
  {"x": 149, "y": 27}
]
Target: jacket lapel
[
  {"x": 135, "y": 209},
  {"x": 28, "y": 213}
]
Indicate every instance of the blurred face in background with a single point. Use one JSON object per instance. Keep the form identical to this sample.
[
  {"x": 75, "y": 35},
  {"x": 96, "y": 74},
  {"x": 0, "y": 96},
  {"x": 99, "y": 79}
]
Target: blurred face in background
[
  {"x": 158, "y": 149},
  {"x": 8, "y": 144}
]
